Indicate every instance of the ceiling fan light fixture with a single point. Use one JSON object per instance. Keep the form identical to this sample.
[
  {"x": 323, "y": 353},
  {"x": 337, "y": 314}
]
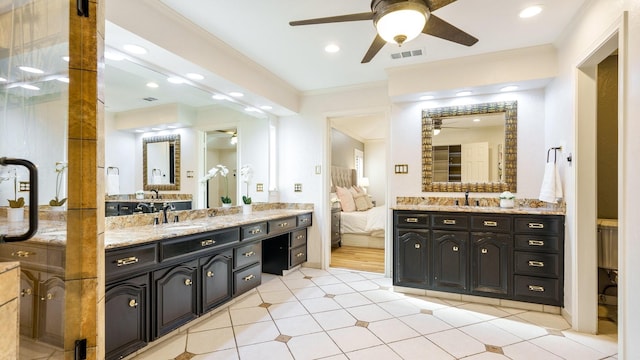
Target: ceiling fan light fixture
[{"x": 401, "y": 22}]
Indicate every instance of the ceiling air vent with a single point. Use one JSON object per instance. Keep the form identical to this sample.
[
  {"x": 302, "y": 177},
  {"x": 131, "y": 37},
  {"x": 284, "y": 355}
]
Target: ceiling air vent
[
  {"x": 149, "y": 99},
  {"x": 406, "y": 54}
]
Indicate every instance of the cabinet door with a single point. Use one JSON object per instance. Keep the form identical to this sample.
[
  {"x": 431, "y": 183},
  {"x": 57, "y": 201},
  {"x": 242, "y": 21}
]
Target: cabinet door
[
  {"x": 410, "y": 262},
  {"x": 28, "y": 302},
  {"x": 449, "y": 258},
  {"x": 175, "y": 296},
  {"x": 126, "y": 317},
  {"x": 51, "y": 310},
  {"x": 216, "y": 280},
  {"x": 490, "y": 263}
]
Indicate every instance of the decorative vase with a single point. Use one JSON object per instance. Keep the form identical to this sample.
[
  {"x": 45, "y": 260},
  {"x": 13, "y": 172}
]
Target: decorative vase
[
  {"x": 15, "y": 214},
  {"x": 226, "y": 205},
  {"x": 247, "y": 209},
  {"x": 58, "y": 208}
]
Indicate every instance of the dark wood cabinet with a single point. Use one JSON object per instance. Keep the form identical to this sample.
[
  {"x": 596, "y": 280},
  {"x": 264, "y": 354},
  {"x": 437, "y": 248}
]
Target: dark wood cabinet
[
  {"x": 336, "y": 239},
  {"x": 175, "y": 296},
  {"x": 215, "y": 272},
  {"x": 129, "y": 330},
  {"x": 511, "y": 256},
  {"x": 449, "y": 258}
]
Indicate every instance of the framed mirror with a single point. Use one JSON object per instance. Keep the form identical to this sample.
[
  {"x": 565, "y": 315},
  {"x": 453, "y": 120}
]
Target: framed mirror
[
  {"x": 161, "y": 162},
  {"x": 479, "y": 151}
]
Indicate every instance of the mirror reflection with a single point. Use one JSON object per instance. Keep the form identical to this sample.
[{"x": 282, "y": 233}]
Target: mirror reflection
[
  {"x": 470, "y": 147},
  {"x": 161, "y": 162}
]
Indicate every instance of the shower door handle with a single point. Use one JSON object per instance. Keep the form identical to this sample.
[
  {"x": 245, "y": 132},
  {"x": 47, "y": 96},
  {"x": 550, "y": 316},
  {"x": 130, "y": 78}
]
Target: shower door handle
[{"x": 33, "y": 200}]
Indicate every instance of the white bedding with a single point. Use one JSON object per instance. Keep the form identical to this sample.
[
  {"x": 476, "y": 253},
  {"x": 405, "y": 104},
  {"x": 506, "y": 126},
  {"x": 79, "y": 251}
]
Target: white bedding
[{"x": 370, "y": 222}]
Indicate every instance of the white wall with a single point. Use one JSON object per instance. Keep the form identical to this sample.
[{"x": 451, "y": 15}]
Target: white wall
[{"x": 120, "y": 145}]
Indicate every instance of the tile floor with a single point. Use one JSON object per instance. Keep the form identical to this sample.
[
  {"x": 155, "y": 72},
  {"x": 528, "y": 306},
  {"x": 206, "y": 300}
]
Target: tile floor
[{"x": 342, "y": 314}]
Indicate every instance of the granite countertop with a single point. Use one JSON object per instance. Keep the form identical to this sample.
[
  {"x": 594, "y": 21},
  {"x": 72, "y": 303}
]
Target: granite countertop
[
  {"x": 481, "y": 209},
  {"x": 148, "y": 201},
  {"x": 7, "y": 266}
]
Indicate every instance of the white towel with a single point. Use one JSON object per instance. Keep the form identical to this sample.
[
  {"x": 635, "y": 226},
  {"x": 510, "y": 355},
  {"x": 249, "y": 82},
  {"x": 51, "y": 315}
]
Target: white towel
[
  {"x": 113, "y": 184},
  {"x": 551, "y": 189},
  {"x": 157, "y": 179}
]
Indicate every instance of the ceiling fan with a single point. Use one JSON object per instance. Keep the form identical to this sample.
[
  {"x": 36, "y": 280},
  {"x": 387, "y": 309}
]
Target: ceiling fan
[{"x": 399, "y": 21}]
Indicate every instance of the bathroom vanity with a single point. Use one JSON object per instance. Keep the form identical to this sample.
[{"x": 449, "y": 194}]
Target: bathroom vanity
[{"x": 514, "y": 254}]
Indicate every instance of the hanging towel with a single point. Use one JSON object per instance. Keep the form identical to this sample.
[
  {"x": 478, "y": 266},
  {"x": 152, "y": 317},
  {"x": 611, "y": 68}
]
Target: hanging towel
[
  {"x": 157, "y": 179},
  {"x": 551, "y": 189},
  {"x": 113, "y": 184}
]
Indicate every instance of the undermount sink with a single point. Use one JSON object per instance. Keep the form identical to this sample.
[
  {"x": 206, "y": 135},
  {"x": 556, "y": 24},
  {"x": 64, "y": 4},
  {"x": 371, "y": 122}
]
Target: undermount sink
[{"x": 181, "y": 227}]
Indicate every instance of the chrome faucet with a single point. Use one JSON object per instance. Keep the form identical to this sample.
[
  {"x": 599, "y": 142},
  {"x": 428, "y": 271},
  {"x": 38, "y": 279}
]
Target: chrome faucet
[
  {"x": 165, "y": 208},
  {"x": 466, "y": 198}
]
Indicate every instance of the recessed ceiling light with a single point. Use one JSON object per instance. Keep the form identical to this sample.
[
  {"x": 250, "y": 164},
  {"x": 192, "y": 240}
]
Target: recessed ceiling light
[
  {"x": 266, "y": 107},
  {"x": 110, "y": 55},
  {"x": 509, "y": 88},
  {"x": 194, "y": 76},
  {"x": 156, "y": 129},
  {"x": 3, "y": 79},
  {"x": 172, "y": 127},
  {"x": 218, "y": 97},
  {"x": 66, "y": 58},
  {"x": 236, "y": 94},
  {"x": 426, "y": 97},
  {"x": 152, "y": 85},
  {"x": 134, "y": 49},
  {"x": 332, "y": 48},
  {"x": 29, "y": 87},
  {"x": 30, "y": 69},
  {"x": 251, "y": 109},
  {"x": 531, "y": 11},
  {"x": 63, "y": 79},
  {"x": 464, "y": 93},
  {"x": 175, "y": 80},
  {"x": 139, "y": 131}
]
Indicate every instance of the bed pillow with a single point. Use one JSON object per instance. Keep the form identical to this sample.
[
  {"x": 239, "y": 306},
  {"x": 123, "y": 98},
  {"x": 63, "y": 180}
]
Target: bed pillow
[
  {"x": 369, "y": 201},
  {"x": 361, "y": 202},
  {"x": 346, "y": 199}
]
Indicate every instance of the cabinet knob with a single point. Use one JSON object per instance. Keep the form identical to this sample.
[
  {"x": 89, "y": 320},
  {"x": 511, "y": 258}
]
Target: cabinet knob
[
  {"x": 25, "y": 292},
  {"x": 417, "y": 246},
  {"x": 210, "y": 274},
  {"x": 188, "y": 282},
  {"x": 455, "y": 248},
  {"x": 133, "y": 303},
  {"x": 48, "y": 297},
  {"x": 299, "y": 237},
  {"x": 484, "y": 251},
  {"x": 22, "y": 253},
  {"x": 299, "y": 254},
  {"x": 283, "y": 224},
  {"x": 255, "y": 231}
]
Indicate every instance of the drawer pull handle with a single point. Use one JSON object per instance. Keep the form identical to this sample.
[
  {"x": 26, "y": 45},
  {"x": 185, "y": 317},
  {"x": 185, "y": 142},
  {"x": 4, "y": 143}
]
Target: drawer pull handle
[
  {"x": 449, "y": 222},
  {"x": 133, "y": 303},
  {"x": 249, "y": 278},
  {"x": 299, "y": 237},
  {"x": 188, "y": 282},
  {"x": 124, "y": 208},
  {"x": 417, "y": 246},
  {"x": 255, "y": 231},
  {"x": 207, "y": 242},
  {"x": 536, "y": 288},
  {"x": 22, "y": 253},
  {"x": 491, "y": 223},
  {"x": 455, "y": 248},
  {"x": 484, "y": 251},
  {"x": 249, "y": 254},
  {"x": 304, "y": 220},
  {"x": 25, "y": 292},
  {"x": 127, "y": 261},
  {"x": 536, "y": 226},
  {"x": 534, "y": 263},
  {"x": 299, "y": 254},
  {"x": 283, "y": 224},
  {"x": 411, "y": 220},
  {"x": 536, "y": 243}
]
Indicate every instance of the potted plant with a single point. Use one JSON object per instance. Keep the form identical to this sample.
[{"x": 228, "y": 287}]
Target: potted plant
[
  {"x": 223, "y": 171},
  {"x": 246, "y": 173},
  {"x": 56, "y": 202},
  {"x": 15, "y": 212}
]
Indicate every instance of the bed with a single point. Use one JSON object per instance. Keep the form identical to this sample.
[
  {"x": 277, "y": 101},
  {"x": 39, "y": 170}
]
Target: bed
[{"x": 365, "y": 228}]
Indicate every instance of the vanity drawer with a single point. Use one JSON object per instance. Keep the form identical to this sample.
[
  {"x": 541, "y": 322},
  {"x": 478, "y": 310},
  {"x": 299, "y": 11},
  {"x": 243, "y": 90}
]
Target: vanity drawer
[
  {"x": 129, "y": 260},
  {"x": 537, "y": 264},
  {"x": 298, "y": 238},
  {"x": 253, "y": 231},
  {"x": 408, "y": 219},
  {"x": 282, "y": 225},
  {"x": 247, "y": 254},
  {"x": 491, "y": 223},
  {"x": 537, "y": 243},
  {"x": 450, "y": 221},
  {"x": 539, "y": 290},
  {"x": 170, "y": 249},
  {"x": 34, "y": 256},
  {"x": 539, "y": 225},
  {"x": 246, "y": 279},
  {"x": 304, "y": 220},
  {"x": 297, "y": 255}
]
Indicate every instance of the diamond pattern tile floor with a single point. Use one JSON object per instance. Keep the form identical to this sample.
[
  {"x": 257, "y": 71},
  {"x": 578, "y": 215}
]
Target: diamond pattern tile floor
[{"x": 345, "y": 315}]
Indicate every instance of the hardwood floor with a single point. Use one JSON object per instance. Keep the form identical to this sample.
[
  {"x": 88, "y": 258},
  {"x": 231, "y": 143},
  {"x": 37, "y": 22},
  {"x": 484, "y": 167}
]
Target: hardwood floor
[{"x": 358, "y": 258}]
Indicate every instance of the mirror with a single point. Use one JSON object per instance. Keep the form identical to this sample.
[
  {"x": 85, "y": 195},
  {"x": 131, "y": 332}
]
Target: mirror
[
  {"x": 161, "y": 162},
  {"x": 460, "y": 154}
]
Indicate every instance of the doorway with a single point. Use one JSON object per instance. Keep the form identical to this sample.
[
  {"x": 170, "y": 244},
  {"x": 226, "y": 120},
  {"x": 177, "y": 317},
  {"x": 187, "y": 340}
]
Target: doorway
[{"x": 221, "y": 149}]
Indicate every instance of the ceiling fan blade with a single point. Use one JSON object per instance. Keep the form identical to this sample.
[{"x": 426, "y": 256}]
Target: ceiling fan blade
[
  {"x": 442, "y": 29},
  {"x": 434, "y": 5},
  {"x": 334, "y": 19},
  {"x": 376, "y": 45}
]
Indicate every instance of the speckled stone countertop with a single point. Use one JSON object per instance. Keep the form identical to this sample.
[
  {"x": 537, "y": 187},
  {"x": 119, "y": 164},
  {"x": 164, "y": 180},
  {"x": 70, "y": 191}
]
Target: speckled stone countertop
[
  {"x": 6, "y": 266},
  {"x": 481, "y": 209}
]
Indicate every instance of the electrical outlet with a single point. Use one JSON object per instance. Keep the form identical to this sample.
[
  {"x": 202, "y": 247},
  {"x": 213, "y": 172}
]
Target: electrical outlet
[
  {"x": 259, "y": 187},
  {"x": 24, "y": 186},
  {"x": 297, "y": 187}
]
